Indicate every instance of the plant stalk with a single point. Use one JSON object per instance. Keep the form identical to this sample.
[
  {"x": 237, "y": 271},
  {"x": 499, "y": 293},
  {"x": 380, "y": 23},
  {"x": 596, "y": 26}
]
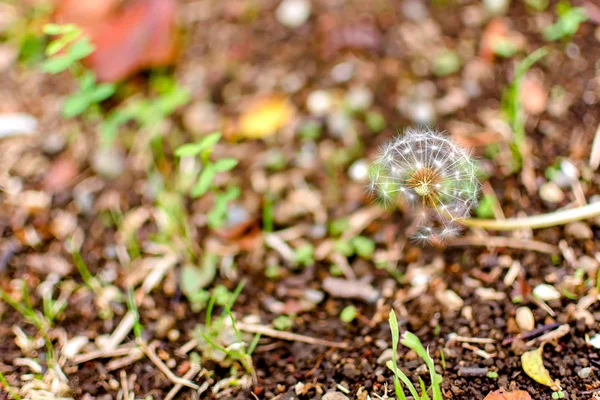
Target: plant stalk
[{"x": 556, "y": 218}]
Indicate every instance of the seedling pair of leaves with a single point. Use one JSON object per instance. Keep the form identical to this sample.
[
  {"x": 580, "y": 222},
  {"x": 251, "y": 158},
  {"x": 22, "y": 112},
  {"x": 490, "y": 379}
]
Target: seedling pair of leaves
[
  {"x": 203, "y": 148},
  {"x": 567, "y": 25},
  {"x": 411, "y": 341},
  {"x": 147, "y": 113},
  {"x": 362, "y": 246},
  {"x": 65, "y": 52},
  {"x": 210, "y": 332}
]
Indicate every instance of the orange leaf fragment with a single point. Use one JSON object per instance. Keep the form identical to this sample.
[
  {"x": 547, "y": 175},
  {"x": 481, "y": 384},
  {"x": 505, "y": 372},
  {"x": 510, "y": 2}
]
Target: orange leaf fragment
[
  {"x": 501, "y": 394},
  {"x": 138, "y": 35}
]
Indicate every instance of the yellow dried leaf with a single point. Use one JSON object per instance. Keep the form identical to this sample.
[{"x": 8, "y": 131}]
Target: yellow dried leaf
[
  {"x": 264, "y": 117},
  {"x": 533, "y": 365}
]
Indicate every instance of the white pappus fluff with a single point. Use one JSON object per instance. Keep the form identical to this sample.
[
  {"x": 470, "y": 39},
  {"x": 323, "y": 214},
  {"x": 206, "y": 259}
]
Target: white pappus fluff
[{"x": 434, "y": 175}]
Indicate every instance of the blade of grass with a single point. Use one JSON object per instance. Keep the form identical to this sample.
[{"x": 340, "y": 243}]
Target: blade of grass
[
  {"x": 394, "y": 365},
  {"x": 10, "y": 390}
]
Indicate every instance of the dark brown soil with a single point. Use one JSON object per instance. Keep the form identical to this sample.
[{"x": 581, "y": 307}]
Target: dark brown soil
[{"x": 231, "y": 55}]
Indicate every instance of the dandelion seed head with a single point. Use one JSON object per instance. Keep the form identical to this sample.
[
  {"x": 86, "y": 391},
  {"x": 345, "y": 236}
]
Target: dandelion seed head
[{"x": 429, "y": 170}]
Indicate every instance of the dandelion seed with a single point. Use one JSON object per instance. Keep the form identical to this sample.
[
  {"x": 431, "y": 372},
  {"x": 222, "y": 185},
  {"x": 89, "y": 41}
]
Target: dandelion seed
[{"x": 429, "y": 171}]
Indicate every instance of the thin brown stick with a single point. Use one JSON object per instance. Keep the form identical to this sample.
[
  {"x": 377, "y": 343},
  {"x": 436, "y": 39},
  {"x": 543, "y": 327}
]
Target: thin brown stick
[
  {"x": 293, "y": 337},
  {"x": 537, "y": 221},
  {"x": 500, "y": 241},
  {"x": 150, "y": 353},
  {"x": 532, "y": 333},
  {"x": 189, "y": 375},
  {"x": 121, "y": 351}
]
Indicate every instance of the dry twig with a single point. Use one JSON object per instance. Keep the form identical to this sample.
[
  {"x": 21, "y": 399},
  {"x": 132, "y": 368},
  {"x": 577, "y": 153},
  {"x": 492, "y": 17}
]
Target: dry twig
[
  {"x": 149, "y": 351},
  {"x": 293, "y": 337},
  {"x": 500, "y": 241},
  {"x": 556, "y": 218}
]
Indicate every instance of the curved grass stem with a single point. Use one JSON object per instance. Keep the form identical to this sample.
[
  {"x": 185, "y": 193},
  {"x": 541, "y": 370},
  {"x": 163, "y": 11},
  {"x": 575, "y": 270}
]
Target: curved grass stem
[{"x": 537, "y": 221}]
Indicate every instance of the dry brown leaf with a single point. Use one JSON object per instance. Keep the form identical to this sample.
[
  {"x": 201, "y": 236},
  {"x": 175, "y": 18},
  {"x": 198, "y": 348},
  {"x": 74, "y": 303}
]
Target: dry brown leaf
[{"x": 501, "y": 394}]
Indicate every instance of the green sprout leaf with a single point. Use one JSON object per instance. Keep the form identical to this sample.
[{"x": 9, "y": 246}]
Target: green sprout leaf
[
  {"x": 225, "y": 164},
  {"x": 204, "y": 181},
  {"x": 348, "y": 314},
  {"x": 194, "y": 149}
]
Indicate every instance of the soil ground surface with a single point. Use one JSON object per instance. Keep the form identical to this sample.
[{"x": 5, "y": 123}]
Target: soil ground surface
[{"x": 355, "y": 74}]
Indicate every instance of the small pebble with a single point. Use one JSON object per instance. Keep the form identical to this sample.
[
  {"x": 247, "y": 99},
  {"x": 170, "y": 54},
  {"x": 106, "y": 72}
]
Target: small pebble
[
  {"x": 584, "y": 373},
  {"x": 236, "y": 214},
  {"x": 342, "y": 72},
  {"x": 385, "y": 356},
  {"x": 359, "y": 171},
  {"x": 450, "y": 300},
  {"x": 422, "y": 113},
  {"x": 569, "y": 170},
  {"x": 525, "y": 319},
  {"x": 546, "y": 292},
  {"x": 334, "y": 396},
  {"x": 339, "y": 124},
  {"x": 201, "y": 117},
  {"x": 496, "y": 7},
  {"x": 579, "y": 230},
  {"x": 588, "y": 264},
  {"x": 359, "y": 98},
  {"x": 108, "y": 162},
  {"x": 414, "y": 10},
  {"x": 551, "y": 193},
  {"x": 595, "y": 341},
  {"x": 319, "y": 103},
  {"x": 293, "y": 13},
  {"x": 164, "y": 324},
  {"x": 54, "y": 143}
]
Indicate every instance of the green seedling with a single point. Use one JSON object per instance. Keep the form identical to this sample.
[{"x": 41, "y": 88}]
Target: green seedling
[
  {"x": 65, "y": 52},
  {"x": 194, "y": 280},
  {"x": 362, "y": 246},
  {"x": 305, "y": 255},
  {"x": 217, "y": 216},
  {"x": 412, "y": 342},
  {"x": 223, "y": 342},
  {"x": 283, "y": 322},
  {"x": 567, "y": 25},
  {"x": 132, "y": 306},
  {"x": 511, "y": 104},
  {"x": 24, "y": 306},
  {"x": 12, "y": 392},
  {"x": 348, "y": 314},
  {"x": 485, "y": 207},
  {"x": 203, "y": 149},
  {"x": 147, "y": 113}
]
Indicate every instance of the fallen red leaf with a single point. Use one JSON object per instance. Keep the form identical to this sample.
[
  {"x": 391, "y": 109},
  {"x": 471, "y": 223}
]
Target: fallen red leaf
[
  {"x": 138, "y": 35},
  {"x": 501, "y": 394}
]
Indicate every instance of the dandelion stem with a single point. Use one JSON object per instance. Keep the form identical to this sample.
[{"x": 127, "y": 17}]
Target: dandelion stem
[{"x": 555, "y": 218}]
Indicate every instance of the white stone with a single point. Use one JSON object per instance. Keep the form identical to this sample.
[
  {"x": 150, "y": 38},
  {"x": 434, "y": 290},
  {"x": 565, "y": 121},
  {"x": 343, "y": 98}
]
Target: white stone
[
  {"x": 293, "y": 13},
  {"x": 359, "y": 98},
  {"x": 546, "y": 292},
  {"x": 319, "y": 102},
  {"x": 359, "y": 171},
  {"x": 525, "y": 319}
]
